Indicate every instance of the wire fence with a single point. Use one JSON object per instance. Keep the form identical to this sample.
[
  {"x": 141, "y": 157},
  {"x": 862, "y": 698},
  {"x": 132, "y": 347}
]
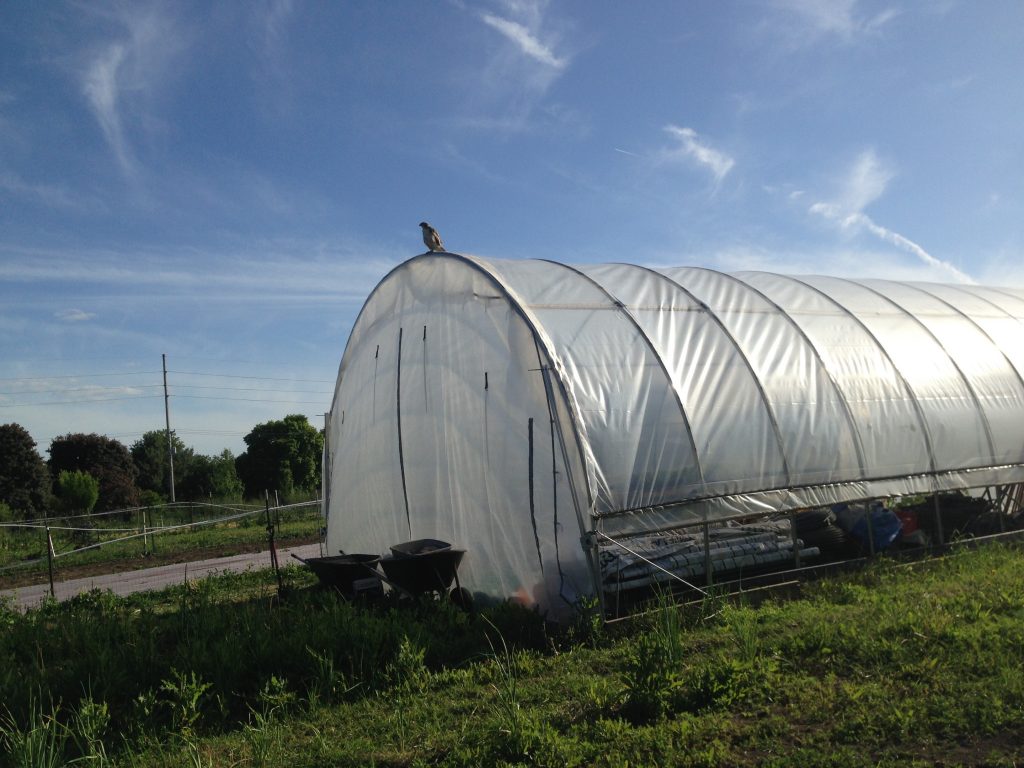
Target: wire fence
[
  {"x": 128, "y": 511},
  {"x": 147, "y": 523}
]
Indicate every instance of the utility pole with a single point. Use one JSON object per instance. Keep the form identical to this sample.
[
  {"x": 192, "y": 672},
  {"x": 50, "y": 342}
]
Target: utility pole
[{"x": 170, "y": 445}]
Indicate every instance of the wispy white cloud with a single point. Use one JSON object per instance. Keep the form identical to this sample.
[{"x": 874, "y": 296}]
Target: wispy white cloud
[
  {"x": 691, "y": 148},
  {"x": 523, "y": 115},
  {"x": 1004, "y": 267},
  {"x": 864, "y": 182},
  {"x": 50, "y": 195},
  {"x": 271, "y": 18},
  {"x": 811, "y": 20},
  {"x": 269, "y": 27},
  {"x": 48, "y": 335},
  {"x": 101, "y": 87},
  {"x": 74, "y": 315},
  {"x": 123, "y": 71},
  {"x": 525, "y": 40},
  {"x": 7, "y": 100},
  {"x": 450, "y": 153},
  {"x": 841, "y": 261},
  {"x": 510, "y": 89},
  {"x": 861, "y": 185},
  {"x": 278, "y": 272},
  {"x": 960, "y": 83}
]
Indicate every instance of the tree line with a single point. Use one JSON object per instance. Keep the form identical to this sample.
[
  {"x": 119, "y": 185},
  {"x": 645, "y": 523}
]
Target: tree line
[{"x": 86, "y": 472}]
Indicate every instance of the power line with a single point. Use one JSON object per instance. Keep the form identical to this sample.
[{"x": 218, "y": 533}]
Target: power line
[
  {"x": 251, "y": 399},
  {"x": 249, "y": 389},
  {"x": 77, "y": 376},
  {"x": 220, "y": 359},
  {"x": 258, "y": 378},
  {"x": 150, "y": 397},
  {"x": 50, "y": 387},
  {"x": 202, "y": 432},
  {"x": 80, "y": 402},
  {"x": 99, "y": 390},
  {"x": 78, "y": 389},
  {"x": 150, "y": 373},
  {"x": 210, "y": 432}
]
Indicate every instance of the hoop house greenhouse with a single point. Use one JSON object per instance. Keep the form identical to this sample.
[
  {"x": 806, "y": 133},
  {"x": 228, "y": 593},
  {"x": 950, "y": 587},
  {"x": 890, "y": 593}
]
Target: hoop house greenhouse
[{"x": 544, "y": 416}]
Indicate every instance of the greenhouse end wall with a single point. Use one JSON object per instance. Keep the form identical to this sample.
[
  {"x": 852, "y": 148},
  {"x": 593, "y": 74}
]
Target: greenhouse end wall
[{"x": 444, "y": 426}]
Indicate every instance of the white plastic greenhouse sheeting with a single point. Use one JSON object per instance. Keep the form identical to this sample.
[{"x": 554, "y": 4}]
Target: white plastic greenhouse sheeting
[{"x": 513, "y": 406}]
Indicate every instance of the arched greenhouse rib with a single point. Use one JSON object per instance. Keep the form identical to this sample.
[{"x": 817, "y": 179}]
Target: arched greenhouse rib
[{"x": 661, "y": 397}]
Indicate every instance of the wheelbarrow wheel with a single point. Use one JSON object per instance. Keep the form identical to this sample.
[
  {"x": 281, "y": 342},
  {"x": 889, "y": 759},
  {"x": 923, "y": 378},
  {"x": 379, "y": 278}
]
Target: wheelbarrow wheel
[{"x": 461, "y": 597}]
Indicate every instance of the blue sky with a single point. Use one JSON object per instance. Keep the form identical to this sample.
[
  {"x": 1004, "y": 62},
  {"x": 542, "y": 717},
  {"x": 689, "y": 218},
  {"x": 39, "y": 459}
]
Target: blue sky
[{"x": 226, "y": 182}]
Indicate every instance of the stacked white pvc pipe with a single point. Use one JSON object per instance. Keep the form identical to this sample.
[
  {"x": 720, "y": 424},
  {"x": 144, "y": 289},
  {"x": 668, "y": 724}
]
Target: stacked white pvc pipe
[{"x": 685, "y": 554}]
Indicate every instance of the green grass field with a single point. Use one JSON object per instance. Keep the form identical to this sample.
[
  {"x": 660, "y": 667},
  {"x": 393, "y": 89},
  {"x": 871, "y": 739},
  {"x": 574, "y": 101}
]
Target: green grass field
[{"x": 893, "y": 665}]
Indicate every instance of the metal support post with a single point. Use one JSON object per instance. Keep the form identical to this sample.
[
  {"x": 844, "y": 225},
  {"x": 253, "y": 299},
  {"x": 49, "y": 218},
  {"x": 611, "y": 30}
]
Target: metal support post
[
  {"x": 49, "y": 559},
  {"x": 707, "y": 554},
  {"x": 170, "y": 443},
  {"x": 796, "y": 541},
  {"x": 273, "y": 547},
  {"x": 871, "y": 531}
]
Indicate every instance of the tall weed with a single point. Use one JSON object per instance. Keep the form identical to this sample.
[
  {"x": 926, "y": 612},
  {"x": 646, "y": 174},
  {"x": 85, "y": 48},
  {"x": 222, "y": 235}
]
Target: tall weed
[
  {"x": 40, "y": 742},
  {"x": 174, "y": 661},
  {"x": 521, "y": 736},
  {"x": 183, "y": 696},
  {"x": 742, "y": 626},
  {"x": 326, "y": 683},
  {"x": 508, "y": 706},
  {"x": 263, "y": 733},
  {"x": 653, "y": 666},
  {"x": 649, "y": 680},
  {"x": 407, "y": 670},
  {"x": 88, "y": 728},
  {"x": 723, "y": 681}
]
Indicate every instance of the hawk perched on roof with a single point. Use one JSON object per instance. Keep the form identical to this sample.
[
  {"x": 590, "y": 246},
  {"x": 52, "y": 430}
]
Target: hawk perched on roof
[{"x": 430, "y": 237}]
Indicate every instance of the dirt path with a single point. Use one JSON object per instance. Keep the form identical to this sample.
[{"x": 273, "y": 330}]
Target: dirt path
[{"x": 158, "y": 577}]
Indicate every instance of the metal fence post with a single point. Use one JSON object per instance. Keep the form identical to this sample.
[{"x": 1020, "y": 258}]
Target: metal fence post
[
  {"x": 270, "y": 536},
  {"x": 145, "y": 535},
  {"x": 707, "y": 554},
  {"x": 796, "y": 541},
  {"x": 49, "y": 559}
]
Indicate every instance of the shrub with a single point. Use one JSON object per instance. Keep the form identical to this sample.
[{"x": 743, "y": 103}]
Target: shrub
[{"x": 78, "y": 492}]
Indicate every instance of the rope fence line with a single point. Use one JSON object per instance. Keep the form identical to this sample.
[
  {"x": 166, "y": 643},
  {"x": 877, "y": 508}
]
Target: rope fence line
[
  {"x": 239, "y": 511},
  {"x": 136, "y": 532},
  {"x": 157, "y": 507},
  {"x": 161, "y": 528},
  {"x": 21, "y": 564}
]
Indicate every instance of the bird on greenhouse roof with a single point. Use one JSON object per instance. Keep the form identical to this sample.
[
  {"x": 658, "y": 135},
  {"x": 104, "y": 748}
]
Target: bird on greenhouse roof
[{"x": 430, "y": 237}]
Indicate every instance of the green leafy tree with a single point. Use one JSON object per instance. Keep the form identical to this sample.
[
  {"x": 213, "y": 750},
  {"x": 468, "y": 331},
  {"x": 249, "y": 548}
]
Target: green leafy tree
[
  {"x": 149, "y": 454},
  {"x": 6, "y": 516},
  {"x": 78, "y": 492},
  {"x": 211, "y": 477},
  {"x": 105, "y": 459},
  {"x": 281, "y": 456},
  {"x": 24, "y": 482}
]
